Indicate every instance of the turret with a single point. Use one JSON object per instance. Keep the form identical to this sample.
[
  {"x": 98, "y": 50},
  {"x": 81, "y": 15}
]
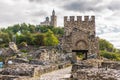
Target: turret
[
  {"x": 53, "y": 12},
  {"x": 53, "y": 19},
  {"x": 47, "y": 19}
]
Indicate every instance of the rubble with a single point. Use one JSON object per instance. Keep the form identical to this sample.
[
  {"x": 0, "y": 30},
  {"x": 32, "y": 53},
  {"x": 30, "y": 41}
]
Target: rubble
[
  {"x": 111, "y": 64},
  {"x": 13, "y": 47},
  {"x": 97, "y": 74},
  {"x": 95, "y": 69}
]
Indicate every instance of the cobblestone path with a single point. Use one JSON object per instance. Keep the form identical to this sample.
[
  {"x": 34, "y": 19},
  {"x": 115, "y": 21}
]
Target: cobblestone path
[{"x": 57, "y": 75}]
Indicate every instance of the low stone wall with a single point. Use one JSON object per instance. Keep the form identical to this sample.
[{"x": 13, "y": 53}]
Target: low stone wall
[
  {"x": 10, "y": 77},
  {"x": 76, "y": 67},
  {"x": 37, "y": 62},
  {"x": 100, "y": 70},
  {"x": 7, "y": 77},
  {"x": 18, "y": 71},
  {"x": 111, "y": 65},
  {"x": 41, "y": 70},
  {"x": 90, "y": 63},
  {"x": 20, "y": 60},
  {"x": 31, "y": 72},
  {"x": 95, "y": 74}
]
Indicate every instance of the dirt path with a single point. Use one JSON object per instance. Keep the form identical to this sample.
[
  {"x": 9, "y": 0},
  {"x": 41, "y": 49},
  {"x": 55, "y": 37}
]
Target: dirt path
[{"x": 57, "y": 75}]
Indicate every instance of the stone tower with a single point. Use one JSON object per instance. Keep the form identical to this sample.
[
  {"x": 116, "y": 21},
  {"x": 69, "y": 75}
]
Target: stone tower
[
  {"x": 80, "y": 34},
  {"x": 53, "y": 19}
]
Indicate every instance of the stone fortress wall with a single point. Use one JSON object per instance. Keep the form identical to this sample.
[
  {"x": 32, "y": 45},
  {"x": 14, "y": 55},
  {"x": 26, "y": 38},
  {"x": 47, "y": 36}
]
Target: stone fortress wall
[{"x": 80, "y": 34}]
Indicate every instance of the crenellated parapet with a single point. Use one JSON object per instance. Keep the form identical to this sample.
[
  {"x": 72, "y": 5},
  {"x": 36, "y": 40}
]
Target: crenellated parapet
[
  {"x": 80, "y": 22},
  {"x": 79, "y": 18}
]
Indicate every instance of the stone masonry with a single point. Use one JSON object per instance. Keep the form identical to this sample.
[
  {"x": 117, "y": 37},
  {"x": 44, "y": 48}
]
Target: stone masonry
[{"x": 80, "y": 34}]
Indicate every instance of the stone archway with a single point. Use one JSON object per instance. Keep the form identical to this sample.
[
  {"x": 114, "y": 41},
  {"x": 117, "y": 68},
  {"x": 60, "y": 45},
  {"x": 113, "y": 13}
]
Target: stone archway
[{"x": 81, "y": 45}]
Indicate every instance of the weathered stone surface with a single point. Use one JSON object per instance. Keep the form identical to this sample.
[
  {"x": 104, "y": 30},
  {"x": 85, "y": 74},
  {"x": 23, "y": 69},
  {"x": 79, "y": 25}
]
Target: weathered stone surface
[
  {"x": 28, "y": 70},
  {"x": 13, "y": 47},
  {"x": 18, "y": 69},
  {"x": 90, "y": 63},
  {"x": 111, "y": 65},
  {"x": 96, "y": 74},
  {"x": 80, "y": 35},
  {"x": 6, "y": 51},
  {"x": 20, "y": 60},
  {"x": 6, "y": 77},
  {"x": 37, "y": 62},
  {"x": 95, "y": 69}
]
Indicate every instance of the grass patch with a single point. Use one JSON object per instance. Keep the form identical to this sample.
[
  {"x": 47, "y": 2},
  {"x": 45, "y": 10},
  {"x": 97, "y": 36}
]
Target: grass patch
[{"x": 24, "y": 51}]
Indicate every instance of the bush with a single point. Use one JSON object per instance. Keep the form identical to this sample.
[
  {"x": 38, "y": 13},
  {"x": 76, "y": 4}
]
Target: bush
[
  {"x": 80, "y": 56},
  {"x": 1, "y": 58},
  {"x": 24, "y": 51},
  {"x": 106, "y": 45},
  {"x": 4, "y": 39},
  {"x": 39, "y": 39},
  {"x": 50, "y": 39},
  {"x": 110, "y": 55},
  {"x": 23, "y": 44},
  {"x": 3, "y": 45}
]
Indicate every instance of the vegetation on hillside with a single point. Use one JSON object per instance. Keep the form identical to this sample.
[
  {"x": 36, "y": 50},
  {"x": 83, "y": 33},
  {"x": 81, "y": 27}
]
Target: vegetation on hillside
[
  {"x": 107, "y": 50},
  {"x": 31, "y": 35}
]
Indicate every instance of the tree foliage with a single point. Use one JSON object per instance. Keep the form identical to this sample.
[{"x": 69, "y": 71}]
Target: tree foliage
[
  {"x": 4, "y": 39},
  {"x": 39, "y": 39},
  {"x": 32, "y": 34},
  {"x": 105, "y": 45},
  {"x": 50, "y": 39},
  {"x": 108, "y": 51},
  {"x": 110, "y": 55}
]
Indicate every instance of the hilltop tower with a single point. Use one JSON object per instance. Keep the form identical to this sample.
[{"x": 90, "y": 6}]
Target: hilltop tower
[{"x": 53, "y": 19}]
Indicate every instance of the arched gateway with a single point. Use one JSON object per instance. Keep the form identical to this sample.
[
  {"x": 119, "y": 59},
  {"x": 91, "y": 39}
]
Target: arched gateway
[{"x": 80, "y": 35}]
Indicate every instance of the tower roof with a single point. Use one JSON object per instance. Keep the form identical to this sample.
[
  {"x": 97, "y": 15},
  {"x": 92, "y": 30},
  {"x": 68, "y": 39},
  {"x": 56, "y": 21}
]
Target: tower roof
[{"x": 53, "y": 12}]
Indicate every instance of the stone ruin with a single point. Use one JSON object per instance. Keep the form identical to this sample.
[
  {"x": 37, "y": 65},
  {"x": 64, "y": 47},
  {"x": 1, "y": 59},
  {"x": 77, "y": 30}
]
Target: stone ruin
[
  {"x": 13, "y": 47},
  {"x": 45, "y": 59},
  {"x": 96, "y": 69},
  {"x": 80, "y": 35}
]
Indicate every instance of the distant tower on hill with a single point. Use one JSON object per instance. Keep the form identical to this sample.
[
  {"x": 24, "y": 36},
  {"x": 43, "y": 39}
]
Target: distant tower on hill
[
  {"x": 53, "y": 19},
  {"x": 46, "y": 22}
]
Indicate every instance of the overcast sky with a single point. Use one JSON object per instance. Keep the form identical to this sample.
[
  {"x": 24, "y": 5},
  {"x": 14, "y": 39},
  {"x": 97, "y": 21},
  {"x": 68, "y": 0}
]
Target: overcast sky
[{"x": 107, "y": 13}]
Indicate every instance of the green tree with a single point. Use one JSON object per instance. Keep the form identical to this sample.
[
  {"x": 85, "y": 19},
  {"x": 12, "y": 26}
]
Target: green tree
[
  {"x": 58, "y": 31},
  {"x": 43, "y": 29},
  {"x": 4, "y": 39},
  {"x": 28, "y": 38},
  {"x": 39, "y": 39},
  {"x": 110, "y": 55},
  {"x": 24, "y": 28},
  {"x": 51, "y": 39},
  {"x": 31, "y": 28},
  {"x": 20, "y": 39},
  {"x": 106, "y": 45}
]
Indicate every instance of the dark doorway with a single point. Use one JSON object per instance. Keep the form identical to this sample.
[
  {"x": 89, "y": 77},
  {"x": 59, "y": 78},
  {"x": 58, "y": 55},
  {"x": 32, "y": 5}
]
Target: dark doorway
[{"x": 84, "y": 52}]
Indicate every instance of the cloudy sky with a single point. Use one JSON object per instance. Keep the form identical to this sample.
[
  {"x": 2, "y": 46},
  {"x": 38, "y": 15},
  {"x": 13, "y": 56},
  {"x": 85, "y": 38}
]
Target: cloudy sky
[{"x": 107, "y": 14}]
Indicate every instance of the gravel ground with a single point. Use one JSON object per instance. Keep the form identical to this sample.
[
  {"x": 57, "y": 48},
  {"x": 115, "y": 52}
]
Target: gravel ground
[{"x": 57, "y": 75}]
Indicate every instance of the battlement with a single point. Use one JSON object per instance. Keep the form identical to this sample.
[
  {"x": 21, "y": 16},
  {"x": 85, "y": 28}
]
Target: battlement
[{"x": 79, "y": 18}]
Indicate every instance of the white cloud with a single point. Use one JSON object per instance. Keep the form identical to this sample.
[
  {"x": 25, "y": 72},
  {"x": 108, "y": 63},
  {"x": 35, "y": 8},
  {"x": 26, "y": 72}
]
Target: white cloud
[{"x": 107, "y": 13}]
